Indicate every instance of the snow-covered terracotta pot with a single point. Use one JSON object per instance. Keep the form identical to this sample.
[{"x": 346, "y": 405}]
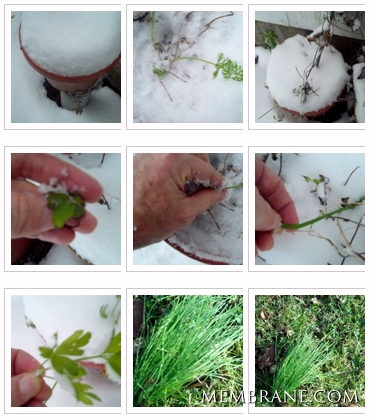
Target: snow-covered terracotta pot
[
  {"x": 286, "y": 77},
  {"x": 215, "y": 237},
  {"x": 72, "y": 50}
]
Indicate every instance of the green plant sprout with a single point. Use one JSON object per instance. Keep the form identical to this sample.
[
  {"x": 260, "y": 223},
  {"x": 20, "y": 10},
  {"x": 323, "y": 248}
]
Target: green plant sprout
[
  {"x": 65, "y": 206},
  {"x": 66, "y": 358},
  {"x": 240, "y": 185},
  {"x": 269, "y": 39},
  {"x": 286, "y": 226},
  {"x": 230, "y": 69}
]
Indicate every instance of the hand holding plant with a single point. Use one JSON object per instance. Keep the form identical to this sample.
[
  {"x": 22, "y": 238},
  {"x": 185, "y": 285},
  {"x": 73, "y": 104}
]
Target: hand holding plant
[
  {"x": 28, "y": 389},
  {"x": 30, "y": 215},
  {"x": 161, "y": 205}
]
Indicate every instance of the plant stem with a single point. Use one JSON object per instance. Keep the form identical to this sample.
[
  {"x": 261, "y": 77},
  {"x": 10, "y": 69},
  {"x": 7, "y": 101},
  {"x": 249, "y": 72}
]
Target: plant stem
[
  {"x": 240, "y": 185},
  {"x": 321, "y": 217},
  {"x": 194, "y": 58}
]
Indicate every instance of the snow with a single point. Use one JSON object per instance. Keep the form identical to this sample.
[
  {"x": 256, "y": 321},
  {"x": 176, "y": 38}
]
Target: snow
[
  {"x": 29, "y": 101},
  {"x": 359, "y": 84},
  {"x": 189, "y": 94},
  {"x": 327, "y": 81},
  {"x": 71, "y": 43},
  {"x": 302, "y": 247},
  {"x": 64, "y": 314}
]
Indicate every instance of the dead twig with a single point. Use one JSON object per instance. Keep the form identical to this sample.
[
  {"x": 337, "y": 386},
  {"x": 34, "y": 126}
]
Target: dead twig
[
  {"x": 351, "y": 175},
  {"x": 208, "y": 25}
]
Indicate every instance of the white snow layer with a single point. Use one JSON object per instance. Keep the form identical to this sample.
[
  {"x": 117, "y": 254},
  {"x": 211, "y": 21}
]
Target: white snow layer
[{"x": 71, "y": 43}]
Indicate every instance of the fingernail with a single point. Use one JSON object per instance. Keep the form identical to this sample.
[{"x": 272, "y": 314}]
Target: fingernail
[{"x": 29, "y": 385}]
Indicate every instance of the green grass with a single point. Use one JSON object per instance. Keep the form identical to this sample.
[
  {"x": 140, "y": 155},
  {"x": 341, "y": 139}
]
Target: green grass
[
  {"x": 187, "y": 341},
  {"x": 320, "y": 343}
]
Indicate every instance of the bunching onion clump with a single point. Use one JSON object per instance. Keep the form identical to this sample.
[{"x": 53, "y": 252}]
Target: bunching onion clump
[{"x": 195, "y": 344}]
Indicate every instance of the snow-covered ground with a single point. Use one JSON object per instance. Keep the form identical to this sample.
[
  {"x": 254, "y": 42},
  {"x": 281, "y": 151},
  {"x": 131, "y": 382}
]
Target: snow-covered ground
[
  {"x": 29, "y": 101},
  {"x": 303, "y": 247},
  {"x": 188, "y": 93}
]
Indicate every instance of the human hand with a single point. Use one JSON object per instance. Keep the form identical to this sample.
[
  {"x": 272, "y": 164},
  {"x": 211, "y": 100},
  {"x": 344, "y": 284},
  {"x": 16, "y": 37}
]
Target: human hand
[
  {"x": 160, "y": 203},
  {"x": 31, "y": 217},
  {"x": 28, "y": 390},
  {"x": 273, "y": 206}
]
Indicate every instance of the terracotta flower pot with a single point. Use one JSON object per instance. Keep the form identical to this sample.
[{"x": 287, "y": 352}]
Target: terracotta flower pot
[
  {"x": 297, "y": 89},
  {"x": 75, "y": 69}
]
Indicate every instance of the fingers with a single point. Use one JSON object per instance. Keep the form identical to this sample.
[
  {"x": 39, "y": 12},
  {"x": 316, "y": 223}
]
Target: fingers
[
  {"x": 27, "y": 389},
  {"x": 272, "y": 189},
  {"x": 194, "y": 168},
  {"x": 43, "y": 167},
  {"x": 30, "y": 215},
  {"x": 265, "y": 217},
  {"x": 263, "y": 241},
  {"x": 24, "y": 388},
  {"x": 203, "y": 200}
]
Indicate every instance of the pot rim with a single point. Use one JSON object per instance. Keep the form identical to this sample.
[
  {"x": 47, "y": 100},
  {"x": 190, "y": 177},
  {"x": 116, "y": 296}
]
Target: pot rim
[{"x": 60, "y": 77}]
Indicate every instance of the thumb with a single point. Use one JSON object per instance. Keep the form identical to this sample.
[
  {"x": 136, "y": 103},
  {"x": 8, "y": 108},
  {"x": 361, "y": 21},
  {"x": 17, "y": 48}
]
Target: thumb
[
  {"x": 204, "y": 199},
  {"x": 266, "y": 218},
  {"x": 30, "y": 215},
  {"x": 25, "y": 387}
]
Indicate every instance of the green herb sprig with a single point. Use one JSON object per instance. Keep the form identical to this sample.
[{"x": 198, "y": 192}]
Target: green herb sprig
[
  {"x": 65, "y": 206},
  {"x": 230, "y": 69}
]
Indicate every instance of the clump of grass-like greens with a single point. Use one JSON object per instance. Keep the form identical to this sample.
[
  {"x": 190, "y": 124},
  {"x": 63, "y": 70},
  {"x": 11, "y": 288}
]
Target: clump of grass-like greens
[
  {"x": 302, "y": 364},
  {"x": 195, "y": 340}
]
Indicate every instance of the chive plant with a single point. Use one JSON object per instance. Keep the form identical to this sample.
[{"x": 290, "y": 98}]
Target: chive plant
[
  {"x": 302, "y": 364},
  {"x": 196, "y": 339}
]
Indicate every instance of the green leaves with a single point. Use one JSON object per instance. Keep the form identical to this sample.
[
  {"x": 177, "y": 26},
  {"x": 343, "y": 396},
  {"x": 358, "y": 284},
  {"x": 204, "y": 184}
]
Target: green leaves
[
  {"x": 68, "y": 358},
  {"x": 65, "y": 206},
  {"x": 230, "y": 69},
  {"x": 72, "y": 345},
  {"x": 308, "y": 179},
  {"x": 113, "y": 353},
  {"x": 70, "y": 368},
  {"x": 269, "y": 39}
]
